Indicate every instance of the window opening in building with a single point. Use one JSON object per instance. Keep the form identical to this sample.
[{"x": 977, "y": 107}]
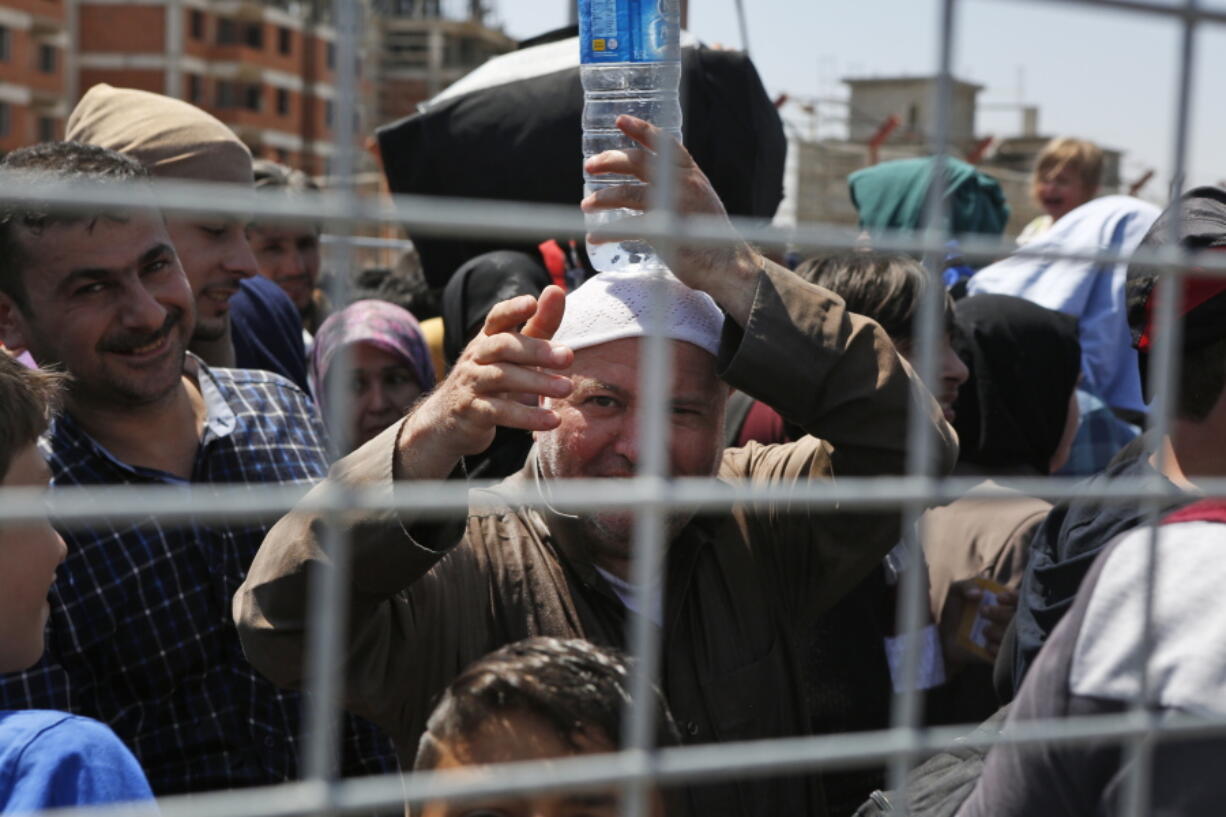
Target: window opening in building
[
  {"x": 197, "y": 24},
  {"x": 227, "y": 31},
  {"x": 285, "y": 43},
  {"x": 226, "y": 94},
  {"x": 195, "y": 88},
  {"x": 254, "y": 35},
  {"x": 46, "y": 58},
  {"x": 282, "y": 102}
]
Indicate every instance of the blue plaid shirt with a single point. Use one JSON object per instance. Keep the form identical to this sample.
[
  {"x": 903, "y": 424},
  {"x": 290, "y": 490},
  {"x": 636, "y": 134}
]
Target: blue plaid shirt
[{"x": 141, "y": 636}]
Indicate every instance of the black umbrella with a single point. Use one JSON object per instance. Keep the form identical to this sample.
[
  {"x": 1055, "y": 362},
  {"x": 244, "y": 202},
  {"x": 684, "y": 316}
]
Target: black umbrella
[{"x": 510, "y": 131}]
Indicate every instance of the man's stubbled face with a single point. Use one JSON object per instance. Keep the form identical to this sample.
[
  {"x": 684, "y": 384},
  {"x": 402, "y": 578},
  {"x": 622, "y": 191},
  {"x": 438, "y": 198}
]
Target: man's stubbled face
[{"x": 598, "y": 436}]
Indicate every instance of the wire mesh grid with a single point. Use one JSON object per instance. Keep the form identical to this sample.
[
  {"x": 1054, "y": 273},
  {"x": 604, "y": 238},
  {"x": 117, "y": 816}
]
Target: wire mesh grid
[{"x": 651, "y": 495}]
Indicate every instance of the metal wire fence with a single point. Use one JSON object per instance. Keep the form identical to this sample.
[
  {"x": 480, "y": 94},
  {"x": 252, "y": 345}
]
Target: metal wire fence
[{"x": 651, "y": 495}]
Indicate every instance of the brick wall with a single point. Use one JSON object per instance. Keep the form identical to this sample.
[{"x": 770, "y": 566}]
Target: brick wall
[
  {"x": 122, "y": 29},
  {"x": 140, "y": 78}
]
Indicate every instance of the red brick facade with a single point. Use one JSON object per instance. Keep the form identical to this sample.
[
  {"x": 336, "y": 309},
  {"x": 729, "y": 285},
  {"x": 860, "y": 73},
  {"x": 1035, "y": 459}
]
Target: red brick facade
[
  {"x": 257, "y": 69},
  {"x": 110, "y": 29},
  {"x": 33, "y": 37},
  {"x": 266, "y": 73}
]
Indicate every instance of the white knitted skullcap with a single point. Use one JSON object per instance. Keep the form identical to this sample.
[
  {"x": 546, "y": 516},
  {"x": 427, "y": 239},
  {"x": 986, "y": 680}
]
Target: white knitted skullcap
[{"x": 616, "y": 305}]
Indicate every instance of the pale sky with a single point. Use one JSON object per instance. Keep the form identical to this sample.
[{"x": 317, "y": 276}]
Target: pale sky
[{"x": 1100, "y": 74}]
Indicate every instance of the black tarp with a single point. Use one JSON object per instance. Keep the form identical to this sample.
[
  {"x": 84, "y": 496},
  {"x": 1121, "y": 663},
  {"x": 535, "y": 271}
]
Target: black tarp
[{"x": 520, "y": 140}]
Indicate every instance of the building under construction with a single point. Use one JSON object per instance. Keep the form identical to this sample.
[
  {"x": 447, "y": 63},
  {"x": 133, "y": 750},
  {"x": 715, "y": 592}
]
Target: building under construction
[
  {"x": 267, "y": 68},
  {"x": 423, "y": 48}
]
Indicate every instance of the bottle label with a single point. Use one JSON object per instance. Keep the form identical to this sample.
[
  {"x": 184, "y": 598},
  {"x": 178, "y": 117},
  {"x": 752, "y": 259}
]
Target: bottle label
[{"x": 629, "y": 31}]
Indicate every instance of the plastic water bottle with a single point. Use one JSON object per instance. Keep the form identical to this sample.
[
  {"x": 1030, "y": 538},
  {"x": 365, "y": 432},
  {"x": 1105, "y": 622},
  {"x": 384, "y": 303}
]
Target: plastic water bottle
[{"x": 630, "y": 55}]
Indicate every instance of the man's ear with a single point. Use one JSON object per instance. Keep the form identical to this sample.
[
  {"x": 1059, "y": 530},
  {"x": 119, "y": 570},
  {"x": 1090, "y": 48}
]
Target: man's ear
[{"x": 13, "y": 332}]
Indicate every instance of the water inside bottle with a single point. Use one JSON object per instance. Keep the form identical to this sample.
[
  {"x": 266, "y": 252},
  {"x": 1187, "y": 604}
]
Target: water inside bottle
[
  {"x": 629, "y": 255},
  {"x": 645, "y": 90}
]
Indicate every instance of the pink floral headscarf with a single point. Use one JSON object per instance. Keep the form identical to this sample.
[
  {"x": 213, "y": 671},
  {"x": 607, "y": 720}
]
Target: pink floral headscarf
[{"x": 380, "y": 323}]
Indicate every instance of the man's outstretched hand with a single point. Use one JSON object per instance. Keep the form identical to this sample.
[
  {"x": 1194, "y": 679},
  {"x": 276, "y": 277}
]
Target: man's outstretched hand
[
  {"x": 720, "y": 270},
  {"x": 500, "y": 372}
]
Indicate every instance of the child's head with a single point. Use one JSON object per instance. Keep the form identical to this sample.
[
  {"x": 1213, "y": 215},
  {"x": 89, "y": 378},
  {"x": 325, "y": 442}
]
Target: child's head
[
  {"x": 537, "y": 699},
  {"x": 1067, "y": 174},
  {"x": 29, "y": 552}
]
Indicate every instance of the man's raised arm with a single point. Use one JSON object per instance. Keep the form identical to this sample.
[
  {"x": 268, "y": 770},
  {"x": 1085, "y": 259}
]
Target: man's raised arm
[
  {"x": 789, "y": 343},
  {"x": 797, "y": 348},
  {"x": 392, "y": 550},
  {"x": 727, "y": 271}
]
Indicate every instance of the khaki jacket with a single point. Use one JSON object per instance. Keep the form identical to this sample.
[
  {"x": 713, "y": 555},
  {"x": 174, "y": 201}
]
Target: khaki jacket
[
  {"x": 985, "y": 533},
  {"x": 741, "y": 589}
]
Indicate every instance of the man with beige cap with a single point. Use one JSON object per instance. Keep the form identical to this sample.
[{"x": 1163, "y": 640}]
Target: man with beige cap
[
  {"x": 139, "y": 633},
  {"x": 738, "y": 592},
  {"x": 178, "y": 141}
]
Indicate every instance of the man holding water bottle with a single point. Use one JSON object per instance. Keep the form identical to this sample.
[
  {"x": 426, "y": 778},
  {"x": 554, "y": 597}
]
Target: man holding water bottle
[{"x": 736, "y": 592}]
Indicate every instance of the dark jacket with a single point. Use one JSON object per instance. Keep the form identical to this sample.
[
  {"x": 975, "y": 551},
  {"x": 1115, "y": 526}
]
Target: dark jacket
[
  {"x": 742, "y": 589},
  {"x": 1065, "y": 547},
  {"x": 1091, "y": 666}
]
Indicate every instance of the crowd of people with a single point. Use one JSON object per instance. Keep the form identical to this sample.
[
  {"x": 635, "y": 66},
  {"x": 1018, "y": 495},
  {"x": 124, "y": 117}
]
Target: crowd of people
[{"x": 159, "y": 656}]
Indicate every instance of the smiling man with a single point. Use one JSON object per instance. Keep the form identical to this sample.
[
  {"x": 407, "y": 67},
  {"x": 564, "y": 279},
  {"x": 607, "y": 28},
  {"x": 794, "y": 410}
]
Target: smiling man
[
  {"x": 139, "y": 635},
  {"x": 738, "y": 591},
  {"x": 175, "y": 140},
  {"x": 288, "y": 253},
  {"x": 178, "y": 141}
]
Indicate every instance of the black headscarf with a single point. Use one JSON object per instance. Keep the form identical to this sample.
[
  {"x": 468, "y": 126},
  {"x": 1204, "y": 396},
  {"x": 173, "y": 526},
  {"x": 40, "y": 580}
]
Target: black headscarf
[
  {"x": 477, "y": 286},
  {"x": 1024, "y": 361}
]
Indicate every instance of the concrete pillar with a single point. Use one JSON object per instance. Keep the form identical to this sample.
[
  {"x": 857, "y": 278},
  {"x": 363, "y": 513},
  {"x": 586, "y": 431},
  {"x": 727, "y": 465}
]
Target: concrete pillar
[
  {"x": 434, "y": 67},
  {"x": 173, "y": 83},
  {"x": 1030, "y": 120},
  {"x": 72, "y": 76}
]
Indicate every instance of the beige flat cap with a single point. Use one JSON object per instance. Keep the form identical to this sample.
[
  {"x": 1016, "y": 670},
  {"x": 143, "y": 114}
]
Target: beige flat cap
[{"x": 171, "y": 138}]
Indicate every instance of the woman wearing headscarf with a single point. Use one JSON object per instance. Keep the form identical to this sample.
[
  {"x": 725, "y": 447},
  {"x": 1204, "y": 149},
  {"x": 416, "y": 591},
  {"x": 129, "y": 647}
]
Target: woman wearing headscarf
[
  {"x": 1015, "y": 416},
  {"x": 477, "y": 286},
  {"x": 894, "y": 196},
  {"x": 468, "y": 297},
  {"x": 388, "y": 367}
]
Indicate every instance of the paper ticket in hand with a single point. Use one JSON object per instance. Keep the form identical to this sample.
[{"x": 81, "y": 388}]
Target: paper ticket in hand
[{"x": 971, "y": 629}]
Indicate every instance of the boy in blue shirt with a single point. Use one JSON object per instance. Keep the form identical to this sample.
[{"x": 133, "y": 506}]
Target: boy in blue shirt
[{"x": 47, "y": 759}]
